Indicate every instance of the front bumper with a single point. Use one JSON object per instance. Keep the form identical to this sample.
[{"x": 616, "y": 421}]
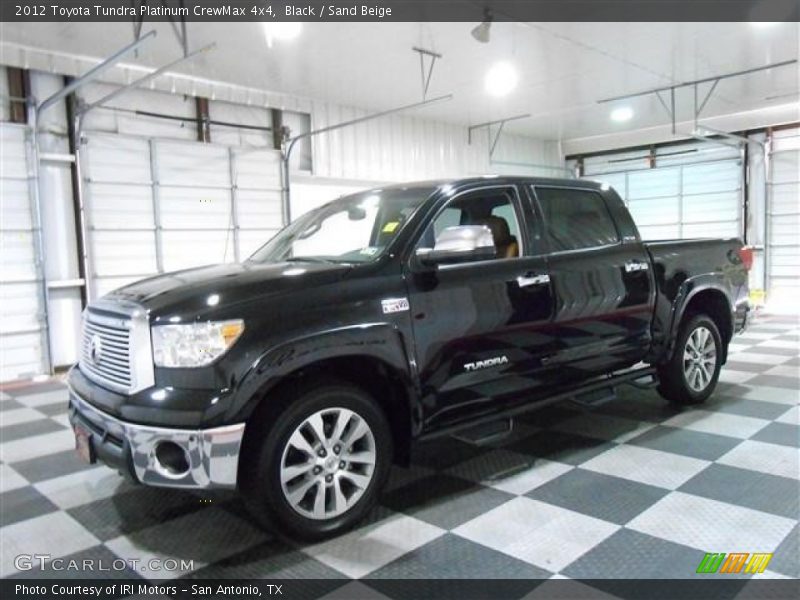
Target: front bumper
[{"x": 211, "y": 455}]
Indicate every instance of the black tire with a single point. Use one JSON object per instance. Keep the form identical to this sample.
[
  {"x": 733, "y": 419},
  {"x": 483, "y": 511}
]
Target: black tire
[
  {"x": 260, "y": 477},
  {"x": 675, "y": 375}
]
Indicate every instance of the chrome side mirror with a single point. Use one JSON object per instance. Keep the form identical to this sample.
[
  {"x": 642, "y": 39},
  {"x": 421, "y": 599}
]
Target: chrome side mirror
[{"x": 463, "y": 243}]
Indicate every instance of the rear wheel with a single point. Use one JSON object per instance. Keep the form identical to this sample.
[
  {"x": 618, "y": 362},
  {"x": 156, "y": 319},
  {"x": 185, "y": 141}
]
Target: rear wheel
[
  {"x": 321, "y": 465},
  {"x": 691, "y": 375}
]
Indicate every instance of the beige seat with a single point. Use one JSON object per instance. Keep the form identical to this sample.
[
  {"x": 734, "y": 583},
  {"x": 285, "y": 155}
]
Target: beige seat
[{"x": 506, "y": 244}]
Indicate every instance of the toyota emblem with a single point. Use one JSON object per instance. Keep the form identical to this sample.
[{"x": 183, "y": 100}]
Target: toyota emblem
[{"x": 95, "y": 349}]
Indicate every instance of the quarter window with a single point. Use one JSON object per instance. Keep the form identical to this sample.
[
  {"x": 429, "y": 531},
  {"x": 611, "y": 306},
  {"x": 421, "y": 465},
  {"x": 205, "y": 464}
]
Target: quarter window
[{"x": 576, "y": 219}]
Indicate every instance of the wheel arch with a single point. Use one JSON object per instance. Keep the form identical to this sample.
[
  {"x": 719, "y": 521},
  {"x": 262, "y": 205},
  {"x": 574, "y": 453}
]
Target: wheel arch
[
  {"x": 713, "y": 302},
  {"x": 371, "y": 358}
]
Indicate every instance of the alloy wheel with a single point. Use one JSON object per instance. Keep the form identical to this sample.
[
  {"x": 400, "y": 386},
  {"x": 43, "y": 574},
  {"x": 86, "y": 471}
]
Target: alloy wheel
[
  {"x": 328, "y": 463},
  {"x": 699, "y": 359}
]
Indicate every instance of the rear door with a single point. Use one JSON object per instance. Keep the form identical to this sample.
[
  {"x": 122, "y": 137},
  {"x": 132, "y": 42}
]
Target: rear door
[
  {"x": 601, "y": 283},
  {"x": 476, "y": 324}
]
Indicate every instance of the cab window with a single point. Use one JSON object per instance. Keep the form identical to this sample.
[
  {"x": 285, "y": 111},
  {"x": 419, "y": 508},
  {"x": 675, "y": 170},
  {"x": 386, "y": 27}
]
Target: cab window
[
  {"x": 576, "y": 219},
  {"x": 492, "y": 208}
]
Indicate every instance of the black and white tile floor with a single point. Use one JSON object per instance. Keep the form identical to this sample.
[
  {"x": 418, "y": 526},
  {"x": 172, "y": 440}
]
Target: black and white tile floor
[{"x": 631, "y": 489}]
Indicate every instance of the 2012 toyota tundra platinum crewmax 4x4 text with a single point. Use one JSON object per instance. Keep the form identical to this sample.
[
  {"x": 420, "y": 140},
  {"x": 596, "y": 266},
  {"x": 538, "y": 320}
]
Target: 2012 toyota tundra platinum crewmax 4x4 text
[{"x": 390, "y": 316}]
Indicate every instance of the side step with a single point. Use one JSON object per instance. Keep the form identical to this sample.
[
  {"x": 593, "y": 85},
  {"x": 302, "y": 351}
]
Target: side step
[
  {"x": 486, "y": 433},
  {"x": 644, "y": 377},
  {"x": 595, "y": 397},
  {"x": 646, "y": 382}
]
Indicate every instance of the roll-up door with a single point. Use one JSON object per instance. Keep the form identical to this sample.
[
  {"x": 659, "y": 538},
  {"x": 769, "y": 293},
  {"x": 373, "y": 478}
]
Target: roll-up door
[
  {"x": 256, "y": 174},
  {"x": 691, "y": 190},
  {"x": 783, "y": 219},
  {"x": 157, "y": 205},
  {"x": 23, "y": 350}
]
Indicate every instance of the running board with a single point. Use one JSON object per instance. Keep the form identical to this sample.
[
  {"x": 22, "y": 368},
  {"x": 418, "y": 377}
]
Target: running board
[
  {"x": 595, "y": 397},
  {"x": 642, "y": 377},
  {"x": 646, "y": 382},
  {"x": 486, "y": 433}
]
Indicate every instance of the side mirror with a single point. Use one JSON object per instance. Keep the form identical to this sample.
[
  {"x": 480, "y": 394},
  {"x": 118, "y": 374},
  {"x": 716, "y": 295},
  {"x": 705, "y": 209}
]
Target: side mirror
[{"x": 464, "y": 243}]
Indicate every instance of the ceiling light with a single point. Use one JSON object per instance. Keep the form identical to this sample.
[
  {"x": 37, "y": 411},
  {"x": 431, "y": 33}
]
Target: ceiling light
[
  {"x": 501, "y": 79},
  {"x": 762, "y": 24},
  {"x": 622, "y": 114},
  {"x": 281, "y": 31},
  {"x": 482, "y": 31}
]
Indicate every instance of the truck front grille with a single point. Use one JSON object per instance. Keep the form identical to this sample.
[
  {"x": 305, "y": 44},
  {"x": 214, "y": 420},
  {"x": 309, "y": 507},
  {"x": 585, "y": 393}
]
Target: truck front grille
[
  {"x": 105, "y": 351},
  {"x": 115, "y": 347}
]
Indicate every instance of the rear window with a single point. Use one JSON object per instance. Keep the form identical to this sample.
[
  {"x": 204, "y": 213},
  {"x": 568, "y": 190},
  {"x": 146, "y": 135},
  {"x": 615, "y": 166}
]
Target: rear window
[{"x": 576, "y": 219}]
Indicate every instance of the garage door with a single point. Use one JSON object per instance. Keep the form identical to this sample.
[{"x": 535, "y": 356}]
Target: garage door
[
  {"x": 310, "y": 192},
  {"x": 783, "y": 219},
  {"x": 694, "y": 190},
  {"x": 22, "y": 333},
  {"x": 161, "y": 205}
]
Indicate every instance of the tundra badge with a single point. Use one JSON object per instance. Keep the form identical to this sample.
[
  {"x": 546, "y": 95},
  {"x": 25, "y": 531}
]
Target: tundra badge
[{"x": 495, "y": 361}]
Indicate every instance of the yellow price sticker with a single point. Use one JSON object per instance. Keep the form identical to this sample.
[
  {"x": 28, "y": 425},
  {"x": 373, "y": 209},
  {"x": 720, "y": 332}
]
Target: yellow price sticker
[{"x": 390, "y": 227}]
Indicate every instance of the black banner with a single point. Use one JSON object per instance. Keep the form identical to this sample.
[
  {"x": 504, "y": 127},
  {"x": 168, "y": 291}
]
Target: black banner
[
  {"x": 703, "y": 588},
  {"x": 399, "y": 10}
]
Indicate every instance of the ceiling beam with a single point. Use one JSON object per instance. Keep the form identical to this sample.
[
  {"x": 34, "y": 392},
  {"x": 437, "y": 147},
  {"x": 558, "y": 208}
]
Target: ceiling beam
[{"x": 699, "y": 81}]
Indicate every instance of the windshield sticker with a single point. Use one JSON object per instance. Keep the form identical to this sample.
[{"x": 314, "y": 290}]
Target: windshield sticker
[
  {"x": 369, "y": 251},
  {"x": 390, "y": 227}
]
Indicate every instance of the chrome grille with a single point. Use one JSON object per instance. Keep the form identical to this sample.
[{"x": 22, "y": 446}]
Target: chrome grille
[
  {"x": 105, "y": 350},
  {"x": 115, "y": 346}
]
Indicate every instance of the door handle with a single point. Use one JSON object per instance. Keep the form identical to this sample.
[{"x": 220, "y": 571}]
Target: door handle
[
  {"x": 530, "y": 279},
  {"x": 633, "y": 266}
]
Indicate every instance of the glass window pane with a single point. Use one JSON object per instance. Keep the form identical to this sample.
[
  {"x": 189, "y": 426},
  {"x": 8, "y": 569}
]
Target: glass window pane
[
  {"x": 492, "y": 208},
  {"x": 576, "y": 219}
]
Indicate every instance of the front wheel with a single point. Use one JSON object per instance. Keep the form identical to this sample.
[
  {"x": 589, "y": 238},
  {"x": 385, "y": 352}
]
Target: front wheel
[
  {"x": 321, "y": 465},
  {"x": 691, "y": 375}
]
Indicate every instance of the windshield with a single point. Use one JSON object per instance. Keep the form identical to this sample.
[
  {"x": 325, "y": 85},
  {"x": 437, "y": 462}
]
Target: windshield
[{"x": 356, "y": 228}]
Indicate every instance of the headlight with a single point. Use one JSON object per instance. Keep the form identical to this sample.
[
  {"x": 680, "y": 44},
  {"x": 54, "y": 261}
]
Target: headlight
[{"x": 193, "y": 344}]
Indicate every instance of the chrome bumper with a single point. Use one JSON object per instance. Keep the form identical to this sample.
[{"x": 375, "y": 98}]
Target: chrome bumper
[{"x": 212, "y": 454}]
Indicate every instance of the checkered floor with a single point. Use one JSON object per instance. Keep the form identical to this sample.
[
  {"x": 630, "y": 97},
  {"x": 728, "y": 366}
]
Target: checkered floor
[{"x": 631, "y": 489}]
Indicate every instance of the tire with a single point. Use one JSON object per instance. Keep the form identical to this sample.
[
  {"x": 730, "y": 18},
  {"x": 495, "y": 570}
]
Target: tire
[
  {"x": 311, "y": 496},
  {"x": 691, "y": 375}
]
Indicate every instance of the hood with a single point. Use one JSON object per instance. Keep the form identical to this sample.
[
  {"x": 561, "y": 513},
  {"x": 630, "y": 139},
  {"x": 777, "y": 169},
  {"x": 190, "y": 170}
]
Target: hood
[{"x": 214, "y": 287}]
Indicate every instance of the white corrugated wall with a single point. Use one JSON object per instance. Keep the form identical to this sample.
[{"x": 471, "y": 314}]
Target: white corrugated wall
[{"x": 406, "y": 147}]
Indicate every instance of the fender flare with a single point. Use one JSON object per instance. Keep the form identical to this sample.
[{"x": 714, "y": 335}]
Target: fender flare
[
  {"x": 688, "y": 290},
  {"x": 381, "y": 341}
]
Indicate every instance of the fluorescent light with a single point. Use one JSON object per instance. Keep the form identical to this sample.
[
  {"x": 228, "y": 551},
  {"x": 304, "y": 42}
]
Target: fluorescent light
[
  {"x": 501, "y": 79},
  {"x": 762, "y": 24},
  {"x": 282, "y": 31},
  {"x": 621, "y": 114}
]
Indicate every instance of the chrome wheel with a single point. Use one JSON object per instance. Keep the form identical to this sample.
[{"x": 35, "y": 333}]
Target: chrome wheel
[
  {"x": 699, "y": 359},
  {"x": 328, "y": 463}
]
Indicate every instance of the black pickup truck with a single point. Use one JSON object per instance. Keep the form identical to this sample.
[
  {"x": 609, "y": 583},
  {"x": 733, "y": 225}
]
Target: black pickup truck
[{"x": 391, "y": 316}]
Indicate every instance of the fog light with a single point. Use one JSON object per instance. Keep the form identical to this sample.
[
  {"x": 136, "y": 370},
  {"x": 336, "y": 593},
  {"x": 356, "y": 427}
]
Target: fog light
[{"x": 171, "y": 459}]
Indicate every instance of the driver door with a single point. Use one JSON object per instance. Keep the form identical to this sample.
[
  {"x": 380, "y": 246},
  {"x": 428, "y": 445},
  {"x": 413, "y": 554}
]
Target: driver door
[{"x": 477, "y": 325}]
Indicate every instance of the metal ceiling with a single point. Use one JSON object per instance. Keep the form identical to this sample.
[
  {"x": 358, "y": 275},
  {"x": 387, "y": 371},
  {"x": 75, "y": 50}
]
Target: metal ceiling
[{"x": 565, "y": 68}]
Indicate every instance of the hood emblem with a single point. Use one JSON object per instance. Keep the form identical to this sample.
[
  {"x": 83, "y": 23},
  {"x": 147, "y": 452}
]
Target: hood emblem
[{"x": 96, "y": 349}]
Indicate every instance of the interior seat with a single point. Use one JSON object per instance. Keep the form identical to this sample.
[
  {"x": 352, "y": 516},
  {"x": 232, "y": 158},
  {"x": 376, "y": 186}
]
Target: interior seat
[{"x": 506, "y": 244}]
